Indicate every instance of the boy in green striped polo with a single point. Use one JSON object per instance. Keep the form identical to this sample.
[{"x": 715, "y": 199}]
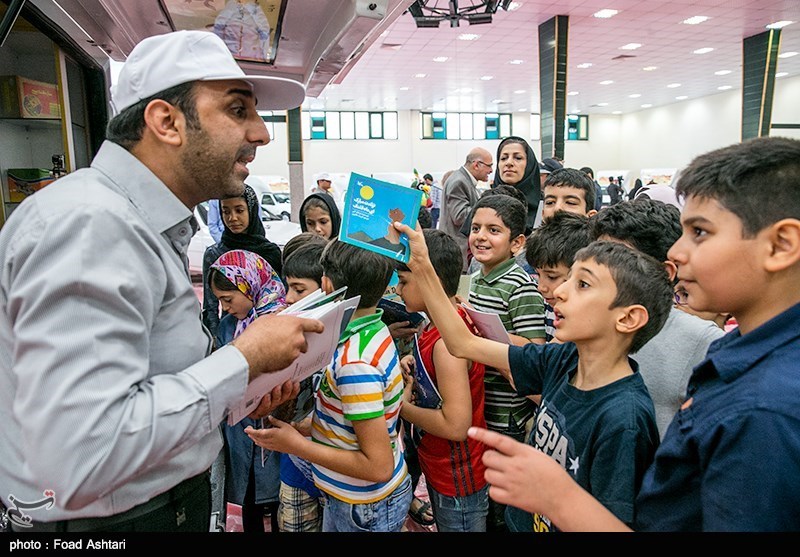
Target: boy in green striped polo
[{"x": 501, "y": 286}]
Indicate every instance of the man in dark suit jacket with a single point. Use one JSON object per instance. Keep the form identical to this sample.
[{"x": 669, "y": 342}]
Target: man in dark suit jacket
[{"x": 461, "y": 194}]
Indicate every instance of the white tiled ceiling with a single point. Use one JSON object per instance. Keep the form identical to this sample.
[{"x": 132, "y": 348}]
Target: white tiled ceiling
[{"x": 384, "y": 78}]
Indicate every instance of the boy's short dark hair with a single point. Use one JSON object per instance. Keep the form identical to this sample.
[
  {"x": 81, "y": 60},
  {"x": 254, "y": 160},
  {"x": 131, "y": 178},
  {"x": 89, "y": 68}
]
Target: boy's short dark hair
[
  {"x": 300, "y": 240},
  {"x": 511, "y": 211},
  {"x": 506, "y": 189},
  {"x": 424, "y": 218},
  {"x": 648, "y": 225},
  {"x": 427, "y": 176},
  {"x": 446, "y": 258},
  {"x": 304, "y": 262},
  {"x": 557, "y": 240},
  {"x": 570, "y": 177},
  {"x": 640, "y": 279},
  {"x": 363, "y": 272},
  {"x": 757, "y": 180}
]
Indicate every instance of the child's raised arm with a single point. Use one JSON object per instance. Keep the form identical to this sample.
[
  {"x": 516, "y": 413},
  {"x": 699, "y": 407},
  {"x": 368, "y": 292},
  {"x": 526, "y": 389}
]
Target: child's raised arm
[{"x": 459, "y": 340}]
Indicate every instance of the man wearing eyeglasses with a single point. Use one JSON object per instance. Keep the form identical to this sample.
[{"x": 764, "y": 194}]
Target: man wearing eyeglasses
[{"x": 461, "y": 194}]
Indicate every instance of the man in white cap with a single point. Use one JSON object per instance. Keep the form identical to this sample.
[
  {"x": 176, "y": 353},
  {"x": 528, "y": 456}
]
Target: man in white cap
[
  {"x": 111, "y": 399},
  {"x": 323, "y": 184}
]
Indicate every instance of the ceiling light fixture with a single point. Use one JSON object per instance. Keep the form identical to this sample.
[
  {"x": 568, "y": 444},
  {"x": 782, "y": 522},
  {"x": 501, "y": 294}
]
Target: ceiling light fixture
[
  {"x": 420, "y": 75},
  {"x": 781, "y": 74},
  {"x": 516, "y": 62},
  {"x": 779, "y": 24},
  {"x": 607, "y": 82},
  {"x": 647, "y": 105},
  {"x": 630, "y": 46},
  {"x": 722, "y": 72},
  {"x": 617, "y": 112},
  {"x": 724, "y": 87},
  {"x": 634, "y": 96},
  {"x": 787, "y": 55},
  {"x": 572, "y": 93},
  {"x": 704, "y": 50},
  {"x": 519, "y": 91},
  {"x": 441, "y": 59},
  {"x": 673, "y": 85},
  {"x": 602, "y": 104},
  {"x": 605, "y": 14},
  {"x": 468, "y": 37},
  {"x": 585, "y": 65},
  {"x": 695, "y": 20},
  {"x": 487, "y": 77},
  {"x": 650, "y": 68},
  {"x": 681, "y": 98},
  {"x": 405, "y": 88}
]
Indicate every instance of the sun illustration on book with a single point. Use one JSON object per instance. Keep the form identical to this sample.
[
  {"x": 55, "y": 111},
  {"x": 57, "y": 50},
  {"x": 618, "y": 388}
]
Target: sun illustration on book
[{"x": 366, "y": 192}]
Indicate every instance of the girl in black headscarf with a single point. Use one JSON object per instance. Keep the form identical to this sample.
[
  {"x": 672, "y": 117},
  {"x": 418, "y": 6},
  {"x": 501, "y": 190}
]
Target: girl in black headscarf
[
  {"x": 242, "y": 230},
  {"x": 320, "y": 215},
  {"x": 517, "y": 166}
]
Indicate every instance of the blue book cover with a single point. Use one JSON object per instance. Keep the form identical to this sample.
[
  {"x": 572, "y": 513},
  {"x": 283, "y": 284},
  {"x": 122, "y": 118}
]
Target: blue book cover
[
  {"x": 370, "y": 207},
  {"x": 426, "y": 395}
]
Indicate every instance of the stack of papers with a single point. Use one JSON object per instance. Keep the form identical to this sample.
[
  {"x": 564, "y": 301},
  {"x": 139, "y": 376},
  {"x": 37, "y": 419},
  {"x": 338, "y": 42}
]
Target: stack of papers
[{"x": 335, "y": 313}]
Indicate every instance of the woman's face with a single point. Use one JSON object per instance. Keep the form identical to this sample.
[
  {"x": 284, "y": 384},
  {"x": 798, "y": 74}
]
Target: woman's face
[
  {"x": 319, "y": 222},
  {"x": 235, "y": 214},
  {"x": 512, "y": 162}
]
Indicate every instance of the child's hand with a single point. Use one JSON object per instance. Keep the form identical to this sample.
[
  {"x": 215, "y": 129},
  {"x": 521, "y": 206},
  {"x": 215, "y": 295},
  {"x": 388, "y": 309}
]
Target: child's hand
[
  {"x": 416, "y": 242},
  {"x": 408, "y": 388},
  {"x": 402, "y": 329},
  {"x": 304, "y": 426},
  {"x": 407, "y": 365},
  {"x": 281, "y": 437}
]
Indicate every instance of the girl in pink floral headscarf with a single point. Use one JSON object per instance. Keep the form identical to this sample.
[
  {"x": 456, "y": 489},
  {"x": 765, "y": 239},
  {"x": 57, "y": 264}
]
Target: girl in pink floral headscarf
[{"x": 246, "y": 286}]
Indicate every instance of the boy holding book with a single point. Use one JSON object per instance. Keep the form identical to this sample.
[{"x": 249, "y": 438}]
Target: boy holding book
[
  {"x": 731, "y": 457},
  {"x": 596, "y": 419},
  {"x": 451, "y": 463},
  {"x": 355, "y": 450}
]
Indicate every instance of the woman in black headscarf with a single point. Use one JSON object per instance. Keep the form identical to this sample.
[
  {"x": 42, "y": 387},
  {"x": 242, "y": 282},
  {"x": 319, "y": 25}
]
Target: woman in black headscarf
[
  {"x": 242, "y": 230},
  {"x": 320, "y": 215},
  {"x": 517, "y": 166}
]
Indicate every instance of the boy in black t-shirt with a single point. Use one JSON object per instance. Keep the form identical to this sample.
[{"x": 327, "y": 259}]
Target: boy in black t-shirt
[{"x": 596, "y": 417}]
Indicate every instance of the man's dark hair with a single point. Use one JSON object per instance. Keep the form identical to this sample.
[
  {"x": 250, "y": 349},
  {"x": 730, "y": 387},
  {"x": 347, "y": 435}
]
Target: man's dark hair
[
  {"x": 510, "y": 210},
  {"x": 648, "y": 225},
  {"x": 363, "y": 272},
  {"x": 588, "y": 170},
  {"x": 570, "y": 177},
  {"x": 424, "y": 218},
  {"x": 640, "y": 279},
  {"x": 446, "y": 258},
  {"x": 557, "y": 240},
  {"x": 126, "y": 128},
  {"x": 757, "y": 180},
  {"x": 427, "y": 176},
  {"x": 304, "y": 262}
]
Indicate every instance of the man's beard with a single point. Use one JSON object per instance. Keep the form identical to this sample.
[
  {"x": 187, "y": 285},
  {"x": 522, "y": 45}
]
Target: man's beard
[{"x": 209, "y": 168}]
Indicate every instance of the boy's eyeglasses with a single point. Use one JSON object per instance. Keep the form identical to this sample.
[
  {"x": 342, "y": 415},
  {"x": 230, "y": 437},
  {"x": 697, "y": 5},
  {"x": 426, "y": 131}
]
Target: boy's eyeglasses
[{"x": 681, "y": 297}]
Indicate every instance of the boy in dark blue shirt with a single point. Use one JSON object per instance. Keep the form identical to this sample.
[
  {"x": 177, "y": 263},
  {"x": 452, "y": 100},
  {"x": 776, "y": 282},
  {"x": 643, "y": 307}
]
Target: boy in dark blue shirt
[
  {"x": 596, "y": 419},
  {"x": 730, "y": 459}
]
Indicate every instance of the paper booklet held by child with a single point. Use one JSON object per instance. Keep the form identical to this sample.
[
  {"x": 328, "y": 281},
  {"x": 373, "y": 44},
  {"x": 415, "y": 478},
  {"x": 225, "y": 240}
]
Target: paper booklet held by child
[
  {"x": 489, "y": 325},
  {"x": 426, "y": 395},
  {"x": 370, "y": 208},
  {"x": 335, "y": 312}
]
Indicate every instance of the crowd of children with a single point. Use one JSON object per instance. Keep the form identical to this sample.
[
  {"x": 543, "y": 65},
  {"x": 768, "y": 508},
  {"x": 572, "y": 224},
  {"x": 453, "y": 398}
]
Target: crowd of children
[{"x": 608, "y": 407}]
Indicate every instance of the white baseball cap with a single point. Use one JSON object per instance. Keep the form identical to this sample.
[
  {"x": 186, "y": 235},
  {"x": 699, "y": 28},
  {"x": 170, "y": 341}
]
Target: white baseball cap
[
  {"x": 323, "y": 176},
  {"x": 163, "y": 61}
]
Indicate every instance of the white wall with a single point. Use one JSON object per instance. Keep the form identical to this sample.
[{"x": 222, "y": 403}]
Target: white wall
[{"x": 663, "y": 137}]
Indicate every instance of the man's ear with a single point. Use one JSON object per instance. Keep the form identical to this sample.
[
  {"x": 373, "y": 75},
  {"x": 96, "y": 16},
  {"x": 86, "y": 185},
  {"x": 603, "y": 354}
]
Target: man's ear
[
  {"x": 327, "y": 285},
  {"x": 672, "y": 270},
  {"x": 591, "y": 213},
  {"x": 784, "y": 238},
  {"x": 165, "y": 122},
  {"x": 631, "y": 318}
]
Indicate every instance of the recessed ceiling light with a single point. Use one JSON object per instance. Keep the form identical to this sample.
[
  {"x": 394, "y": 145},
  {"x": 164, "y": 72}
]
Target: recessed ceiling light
[
  {"x": 585, "y": 65},
  {"x": 724, "y": 87},
  {"x": 513, "y": 6},
  {"x": 650, "y": 68},
  {"x": 681, "y": 98},
  {"x": 704, "y": 50},
  {"x": 516, "y": 62},
  {"x": 441, "y": 59},
  {"x": 781, "y": 74},
  {"x": 420, "y": 75},
  {"x": 468, "y": 36},
  {"x": 605, "y": 14},
  {"x": 522, "y": 110},
  {"x": 487, "y": 77},
  {"x": 647, "y": 105},
  {"x": 572, "y": 93},
  {"x": 634, "y": 96},
  {"x": 607, "y": 82},
  {"x": 787, "y": 55},
  {"x": 695, "y": 20},
  {"x": 779, "y": 24},
  {"x": 673, "y": 85},
  {"x": 630, "y": 46},
  {"x": 519, "y": 91},
  {"x": 617, "y": 112},
  {"x": 722, "y": 72},
  {"x": 405, "y": 88},
  {"x": 499, "y": 101},
  {"x": 602, "y": 104}
]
